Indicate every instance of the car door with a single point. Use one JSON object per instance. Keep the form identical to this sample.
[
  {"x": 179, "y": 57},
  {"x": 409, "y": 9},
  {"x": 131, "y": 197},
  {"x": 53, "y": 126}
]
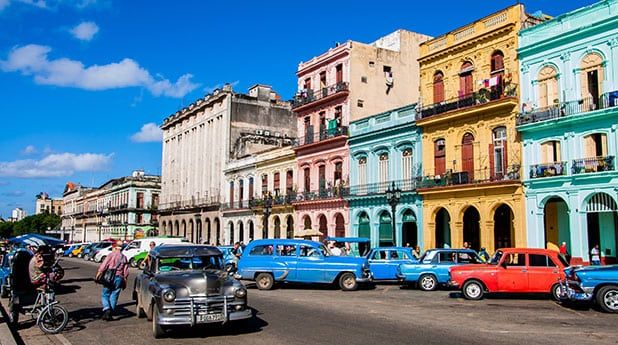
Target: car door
[
  {"x": 286, "y": 255},
  {"x": 446, "y": 259},
  {"x": 379, "y": 264},
  {"x": 310, "y": 266},
  {"x": 513, "y": 275},
  {"x": 397, "y": 257},
  {"x": 543, "y": 273}
]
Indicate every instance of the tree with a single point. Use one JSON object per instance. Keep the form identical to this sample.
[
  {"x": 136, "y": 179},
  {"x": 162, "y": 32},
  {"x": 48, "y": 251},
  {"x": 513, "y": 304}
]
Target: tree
[{"x": 38, "y": 223}]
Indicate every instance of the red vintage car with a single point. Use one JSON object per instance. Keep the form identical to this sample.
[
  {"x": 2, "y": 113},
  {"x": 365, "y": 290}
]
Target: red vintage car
[{"x": 512, "y": 270}]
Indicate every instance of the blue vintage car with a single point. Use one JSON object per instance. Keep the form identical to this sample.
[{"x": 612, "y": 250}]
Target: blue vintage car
[
  {"x": 285, "y": 260},
  {"x": 384, "y": 261},
  {"x": 355, "y": 246},
  {"x": 432, "y": 269},
  {"x": 228, "y": 256},
  {"x": 593, "y": 283}
]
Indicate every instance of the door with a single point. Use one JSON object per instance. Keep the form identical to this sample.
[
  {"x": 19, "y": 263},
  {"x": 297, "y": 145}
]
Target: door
[
  {"x": 446, "y": 260},
  {"x": 287, "y": 255},
  {"x": 396, "y": 258},
  {"x": 439, "y": 157},
  {"x": 310, "y": 265},
  {"x": 513, "y": 275},
  {"x": 593, "y": 86},
  {"x": 542, "y": 273},
  {"x": 378, "y": 262},
  {"x": 322, "y": 178},
  {"x": 467, "y": 155}
]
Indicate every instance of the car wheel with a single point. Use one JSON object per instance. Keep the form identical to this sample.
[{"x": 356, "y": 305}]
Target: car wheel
[
  {"x": 139, "y": 311},
  {"x": 347, "y": 282},
  {"x": 157, "y": 330},
  {"x": 103, "y": 258},
  {"x": 556, "y": 292},
  {"x": 141, "y": 264},
  {"x": 607, "y": 297},
  {"x": 264, "y": 281},
  {"x": 427, "y": 282},
  {"x": 132, "y": 262},
  {"x": 473, "y": 290},
  {"x": 79, "y": 255}
]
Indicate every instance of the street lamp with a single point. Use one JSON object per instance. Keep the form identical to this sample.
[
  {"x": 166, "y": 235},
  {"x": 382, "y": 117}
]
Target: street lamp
[
  {"x": 268, "y": 203},
  {"x": 393, "y": 195}
]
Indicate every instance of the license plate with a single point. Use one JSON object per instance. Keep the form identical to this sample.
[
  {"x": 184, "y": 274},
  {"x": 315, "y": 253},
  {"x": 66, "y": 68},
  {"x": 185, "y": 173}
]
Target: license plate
[{"x": 211, "y": 318}]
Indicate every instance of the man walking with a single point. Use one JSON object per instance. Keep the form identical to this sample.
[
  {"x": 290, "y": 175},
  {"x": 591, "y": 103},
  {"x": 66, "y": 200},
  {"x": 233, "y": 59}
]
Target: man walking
[
  {"x": 595, "y": 256},
  {"x": 109, "y": 295}
]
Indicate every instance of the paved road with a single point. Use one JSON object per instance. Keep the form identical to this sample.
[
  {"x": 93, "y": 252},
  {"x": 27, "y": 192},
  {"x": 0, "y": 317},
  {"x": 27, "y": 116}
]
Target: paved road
[{"x": 301, "y": 315}]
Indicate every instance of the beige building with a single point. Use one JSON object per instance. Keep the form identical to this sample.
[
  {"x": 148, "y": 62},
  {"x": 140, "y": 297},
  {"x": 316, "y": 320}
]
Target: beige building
[
  {"x": 46, "y": 204},
  {"x": 198, "y": 143}
]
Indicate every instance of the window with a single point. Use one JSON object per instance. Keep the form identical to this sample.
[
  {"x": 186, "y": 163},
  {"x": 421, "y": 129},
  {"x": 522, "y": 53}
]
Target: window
[
  {"x": 515, "y": 259},
  {"x": 550, "y": 151},
  {"x": 154, "y": 202},
  {"x": 592, "y": 79},
  {"x": 406, "y": 164},
  {"x": 403, "y": 255},
  {"x": 307, "y": 251},
  {"x": 250, "y": 188},
  {"x": 338, "y": 114},
  {"x": 322, "y": 79},
  {"x": 363, "y": 79},
  {"x": 339, "y": 73},
  {"x": 383, "y": 168},
  {"x": 595, "y": 145},
  {"x": 139, "y": 218},
  {"x": 140, "y": 200},
  {"x": 289, "y": 181},
  {"x": 539, "y": 260},
  {"x": 307, "y": 178},
  {"x": 466, "y": 83},
  {"x": 307, "y": 84},
  {"x": 548, "y": 87},
  {"x": 231, "y": 192},
  {"x": 262, "y": 250},
  {"x": 362, "y": 171},
  {"x": 467, "y": 258},
  {"x": 438, "y": 87},
  {"x": 359, "y": 103},
  {"x": 286, "y": 250},
  {"x": 277, "y": 181},
  {"x": 499, "y": 151},
  {"x": 372, "y": 64},
  {"x": 322, "y": 176},
  {"x": 241, "y": 191},
  {"x": 497, "y": 62},
  {"x": 338, "y": 173},
  {"x": 264, "y": 184},
  {"x": 439, "y": 157},
  {"x": 379, "y": 255},
  {"x": 447, "y": 256}
]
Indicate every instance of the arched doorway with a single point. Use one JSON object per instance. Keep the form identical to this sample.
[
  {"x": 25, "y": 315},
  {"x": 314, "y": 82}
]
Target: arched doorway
[
  {"x": 503, "y": 227},
  {"x": 443, "y": 228},
  {"x": 290, "y": 227},
  {"x": 339, "y": 225},
  {"x": 385, "y": 229},
  {"x": 323, "y": 227},
  {"x": 217, "y": 232},
  {"x": 241, "y": 232},
  {"x": 231, "y": 227},
  {"x": 364, "y": 228},
  {"x": 184, "y": 228},
  {"x": 556, "y": 224},
  {"x": 198, "y": 234},
  {"x": 251, "y": 231},
  {"x": 208, "y": 231},
  {"x": 307, "y": 224},
  {"x": 170, "y": 229},
  {"x": 191, "y": 231},
  {"x": 176, "y": 229},
  {"x": 472, "y": 228},
  {"x": 467, "y": 156},
  {"x": 601, "y": 220},
  {"x": 409, "y": 230},
  {"x": 165, "y": 228},
  {"x": 277, "y": 223}
]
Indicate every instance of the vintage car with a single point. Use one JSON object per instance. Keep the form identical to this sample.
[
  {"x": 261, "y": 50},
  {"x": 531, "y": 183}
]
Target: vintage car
[
  {"x": 300, "y": 261},
  {"x": 593, "y": 283},
  {"x": 228, "y": 257},
  {"x": 384, "y": 261},
  {"x": 354, "y": 246},
  {"x": 5, "y": 272},
  {"x": 186, "y": 285},
  {"x": 90, "y": 251},
  {"x": 431, "y": 270},
  {"x": 512, "y": 270}
]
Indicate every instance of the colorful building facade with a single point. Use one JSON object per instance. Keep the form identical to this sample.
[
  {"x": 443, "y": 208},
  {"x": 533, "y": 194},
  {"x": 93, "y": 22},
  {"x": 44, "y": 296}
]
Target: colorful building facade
[
  {"x": 568, "y": 124},
  {"x": 385, "y": 152},
  {"x": 471, "y": 187},
  {"x": 349, "y": 82}
]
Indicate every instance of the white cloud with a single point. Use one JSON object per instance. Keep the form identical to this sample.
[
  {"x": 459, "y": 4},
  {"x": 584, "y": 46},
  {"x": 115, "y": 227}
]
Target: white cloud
[
  {"x": 50, "y": 4},
  {"x": 28, "y": 150},
  {"x": 56, "y": 165},
  {"x": 150, "y": 132},
  {"x": 32, "y": 60},
  {"x": 85, "y": 31}
]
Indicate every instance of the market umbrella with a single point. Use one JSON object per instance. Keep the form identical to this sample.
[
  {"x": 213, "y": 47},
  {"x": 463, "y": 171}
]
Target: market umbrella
[{"x": 36, "y": 240}]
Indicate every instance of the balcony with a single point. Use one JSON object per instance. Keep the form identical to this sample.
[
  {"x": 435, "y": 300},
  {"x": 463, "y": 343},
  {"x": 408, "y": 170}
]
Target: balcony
[
  {"x": 323, "y": 194},
  {"x": 306, "y": 97},
  {"x": 548, "y": 170},
  {"x": 381, "y": 187},
  {"x": 237, "y": 205},
  {"x": 463, "y": 178},
  {"x": 188, "y": 204},
  {"x": 483, "y": 96},
  {"x": 592, "y": 165},
  {"x": 279, "y": 200},
  {"x": 563, "y": 109},
  {"x": 325, "y": 134}
]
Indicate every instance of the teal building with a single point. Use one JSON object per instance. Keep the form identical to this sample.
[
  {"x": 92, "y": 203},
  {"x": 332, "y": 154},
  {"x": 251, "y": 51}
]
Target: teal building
[
  {"x": 568, "y": 123},
  {"x": 385, "y": 151}
]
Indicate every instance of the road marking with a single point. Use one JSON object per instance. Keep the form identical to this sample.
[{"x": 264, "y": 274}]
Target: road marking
[{"x": 63, "y": 340}]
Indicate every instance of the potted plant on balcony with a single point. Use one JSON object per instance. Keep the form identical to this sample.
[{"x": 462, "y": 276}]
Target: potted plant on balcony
[{"x": 482, "y": 96}]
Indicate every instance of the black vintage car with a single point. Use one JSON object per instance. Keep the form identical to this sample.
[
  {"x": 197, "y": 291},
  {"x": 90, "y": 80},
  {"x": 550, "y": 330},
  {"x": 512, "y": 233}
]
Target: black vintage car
[{"x": 187, "y": 285}]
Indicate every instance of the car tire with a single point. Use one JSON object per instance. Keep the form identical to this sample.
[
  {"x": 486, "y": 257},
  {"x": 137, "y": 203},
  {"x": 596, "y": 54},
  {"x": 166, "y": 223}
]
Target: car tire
[
  {"x": 141, "y": 264},
  {"x": 264, "y": 281},
  {"x": 139, "y": 311},
  {"x": 473, "y": 290},
  {"x": 347, "y": 282},
  {"x": 607, "y": 298},
  {"x": 556, "y": 292},
  {"x": 132, "y": 262},
  {"x": 157, "y": 330},
  {"x": 427, "y": 282},
  {"x": 79, "y": 255}
]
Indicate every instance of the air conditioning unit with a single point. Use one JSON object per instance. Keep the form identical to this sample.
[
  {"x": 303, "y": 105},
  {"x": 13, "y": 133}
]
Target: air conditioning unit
[
  {"x": 259, "y": 132},
  {"x": 277, "y": 134},
  {"x": 266, "y": 133}
]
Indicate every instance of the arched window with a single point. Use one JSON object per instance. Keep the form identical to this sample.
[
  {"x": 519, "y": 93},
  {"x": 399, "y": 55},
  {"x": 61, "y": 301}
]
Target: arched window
[
  {"x": 592, "y": 80},
  {"x": 467, "y": 155},
  {"x": 439, "y": 153},
  {"x": 438, "y": 87},
  {"x": 595, "y": 145},
  {"x": 548, "y": 86},
  {"x": 362, "y": 173},
  {"x": 466, "y": 84},
  {"x": 497, "y": 62},
  {"x": 383, "y": 170}
]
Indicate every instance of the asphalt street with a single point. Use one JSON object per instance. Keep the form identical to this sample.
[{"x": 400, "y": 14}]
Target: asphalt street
[{"x": 325, "y": 315}]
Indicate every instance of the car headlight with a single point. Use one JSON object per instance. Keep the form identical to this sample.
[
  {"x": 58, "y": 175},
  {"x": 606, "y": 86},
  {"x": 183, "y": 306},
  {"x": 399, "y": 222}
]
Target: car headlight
[
  {"x": 169, "y": 295},
  {"x": 240, "y": 292}
]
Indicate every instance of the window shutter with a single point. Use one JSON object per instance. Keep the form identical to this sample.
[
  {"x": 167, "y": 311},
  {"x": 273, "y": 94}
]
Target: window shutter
[
  {"x": 491, "y": 161},
  {"x": 505, "y": 158}
]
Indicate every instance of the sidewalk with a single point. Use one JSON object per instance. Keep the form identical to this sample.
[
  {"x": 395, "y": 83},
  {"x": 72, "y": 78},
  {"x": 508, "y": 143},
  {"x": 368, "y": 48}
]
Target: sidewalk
[{"x": 30, "y": 334}]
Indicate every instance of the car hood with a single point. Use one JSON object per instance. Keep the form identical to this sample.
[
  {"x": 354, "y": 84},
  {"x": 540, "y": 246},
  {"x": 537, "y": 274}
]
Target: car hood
[
  {"x": 196, "y": 282},
  {"x": 611, "y": 268}
]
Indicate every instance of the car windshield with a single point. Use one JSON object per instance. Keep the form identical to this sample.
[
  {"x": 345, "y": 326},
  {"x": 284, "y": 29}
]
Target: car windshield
[
  {"x": 210, "y": 262},
  {"x": 496, "y": 258}
]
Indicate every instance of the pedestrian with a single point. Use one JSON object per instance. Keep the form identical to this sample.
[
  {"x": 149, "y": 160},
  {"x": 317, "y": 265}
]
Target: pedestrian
[
  {"x": 565, "y": 253},
  {"x": 595, "y": 256},
  {"x": 152, "y": 246},
  {"x": 109, "y": 294},
  {"x": 334, "y": 249},
  {"x": 237, "y": 250},
  {"x": 466, "y": 245},
  {"x": 484, "y": 255}
]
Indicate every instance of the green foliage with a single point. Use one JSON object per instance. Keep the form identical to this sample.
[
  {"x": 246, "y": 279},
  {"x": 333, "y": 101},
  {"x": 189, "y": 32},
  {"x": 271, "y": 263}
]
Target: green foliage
[{"x": 38, "y": 223}]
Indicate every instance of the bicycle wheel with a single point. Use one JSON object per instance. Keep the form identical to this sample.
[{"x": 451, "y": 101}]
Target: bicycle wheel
[{"x": 53, "y": 319}]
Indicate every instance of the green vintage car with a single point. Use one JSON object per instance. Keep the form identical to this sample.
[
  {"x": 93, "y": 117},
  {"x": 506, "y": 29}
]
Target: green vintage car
[{"x": 138, "y": 260}]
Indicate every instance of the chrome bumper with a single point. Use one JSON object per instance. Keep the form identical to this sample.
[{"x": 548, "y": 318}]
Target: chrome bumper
[
  {"x": 366, "y": 278},
  {"x": 573, "y": 291},
  {"x": 186, "y": 311}
]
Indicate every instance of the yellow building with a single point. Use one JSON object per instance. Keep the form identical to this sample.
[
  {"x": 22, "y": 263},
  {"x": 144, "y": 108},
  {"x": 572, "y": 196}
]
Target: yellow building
[{"x": 471, "y": 188}]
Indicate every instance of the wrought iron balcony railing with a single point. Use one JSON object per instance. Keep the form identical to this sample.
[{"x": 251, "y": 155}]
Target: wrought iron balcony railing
[
  {"x": 236, "y": 205},
  {"x": 562, "y": 109},
  {"x": 314, "y": 137},
  {"x": 309, "y": 96},
  {"x": 511, "y": 173},
  {"x": 275, "y": 201},
  {"x": 548, "y": 169},
  {"x": 592, "y": 165},
  {"x": 381, "y": 187},
  {"x": 190, "y": 203},
  {"x": 323, "y": 194},
  {"x": 482, "y": 96}
]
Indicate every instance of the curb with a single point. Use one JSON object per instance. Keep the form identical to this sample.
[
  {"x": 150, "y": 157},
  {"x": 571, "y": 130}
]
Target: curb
[{"x": 7, "y": 337}]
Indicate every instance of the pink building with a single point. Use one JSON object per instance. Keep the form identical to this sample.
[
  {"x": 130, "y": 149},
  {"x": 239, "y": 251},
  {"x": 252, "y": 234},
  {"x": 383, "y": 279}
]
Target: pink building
[{"x": 348, "y": 82}]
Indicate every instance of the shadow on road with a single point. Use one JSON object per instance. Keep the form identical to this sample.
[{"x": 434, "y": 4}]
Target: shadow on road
[
  {"x": 253, "y": 325},
  {"x": 316, "y": 286},
  {"x": 79, "y": 319},
  {"x": 77, "y": 280},
  {"x": 63, "y": 289}
]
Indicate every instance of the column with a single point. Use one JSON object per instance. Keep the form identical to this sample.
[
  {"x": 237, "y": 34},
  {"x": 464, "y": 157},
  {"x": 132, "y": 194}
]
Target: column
[
  {"x": 578, "y": 227},
  {"x": 456, "y": 233}
]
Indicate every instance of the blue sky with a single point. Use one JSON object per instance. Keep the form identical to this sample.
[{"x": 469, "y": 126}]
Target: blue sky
[{"x": 80, "y": 79}]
